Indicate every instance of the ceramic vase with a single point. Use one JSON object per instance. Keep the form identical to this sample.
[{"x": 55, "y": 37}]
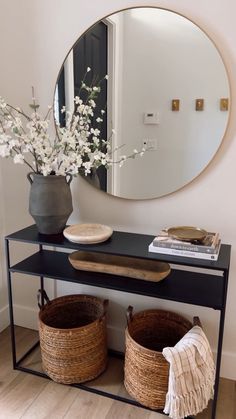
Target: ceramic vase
[{"x": 50, "y": 202}]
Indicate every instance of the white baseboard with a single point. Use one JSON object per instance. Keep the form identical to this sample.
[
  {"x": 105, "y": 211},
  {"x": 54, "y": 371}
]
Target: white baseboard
[
  {"x": 4, "y": 318},
  {"x": 28, "y": 317},
  {"x": 228, "y": 365}
]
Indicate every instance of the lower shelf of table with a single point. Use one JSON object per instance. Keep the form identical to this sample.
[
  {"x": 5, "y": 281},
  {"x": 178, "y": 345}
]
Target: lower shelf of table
[{"x": 109, "y": 384}]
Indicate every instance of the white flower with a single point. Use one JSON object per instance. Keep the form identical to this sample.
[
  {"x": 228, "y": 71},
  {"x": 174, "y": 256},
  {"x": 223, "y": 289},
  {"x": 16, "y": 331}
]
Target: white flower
[
  {"x": 2, "y": 103},
  {"x": 46, "y": 170},
  {"x": 95, "y": 140},
  {"x": 87, "y": 165},
  {"x": 4, "y": 138},
  {"x": 77, "y": 145},
  {"x": 92, "y": 103},
  {"x": 106, "y": 77},
  {"x": 8, "y": 124},
  {"x": 104, "y": 161},
  {"x": 96, "y": 131},
  {"x": 77, "y": 100},
  {"x": 13, "y": 143},
  {"x": 4, "y": 150},
  {"x": 18, "y": 158},
  {"x": 80, "y": 108}
]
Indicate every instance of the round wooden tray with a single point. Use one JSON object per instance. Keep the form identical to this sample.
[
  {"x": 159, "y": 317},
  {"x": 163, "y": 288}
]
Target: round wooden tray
[
  {"x": 148, "y": 270},
  {"x": 88, "y": 233}
]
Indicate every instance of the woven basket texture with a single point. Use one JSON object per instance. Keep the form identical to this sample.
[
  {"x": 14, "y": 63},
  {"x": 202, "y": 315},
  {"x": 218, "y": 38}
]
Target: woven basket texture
[
  {"x": 146, "y": 370},
  {"x": 73, "y": 339}
]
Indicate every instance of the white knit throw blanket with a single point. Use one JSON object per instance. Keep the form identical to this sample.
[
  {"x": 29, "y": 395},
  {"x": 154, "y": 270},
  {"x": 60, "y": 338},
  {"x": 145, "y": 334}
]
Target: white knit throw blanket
[{"x": 191, "y": 375}]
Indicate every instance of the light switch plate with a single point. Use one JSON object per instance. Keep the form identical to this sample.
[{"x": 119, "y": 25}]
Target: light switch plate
[{"x": 151, "y": 117}]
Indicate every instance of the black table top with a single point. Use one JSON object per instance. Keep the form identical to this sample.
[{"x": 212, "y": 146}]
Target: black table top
[{"x": 122, "y": 243}]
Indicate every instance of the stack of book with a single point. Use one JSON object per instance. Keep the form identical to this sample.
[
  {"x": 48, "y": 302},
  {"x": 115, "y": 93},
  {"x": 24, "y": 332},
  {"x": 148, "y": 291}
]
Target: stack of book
[{"x": 208, "y": 248}]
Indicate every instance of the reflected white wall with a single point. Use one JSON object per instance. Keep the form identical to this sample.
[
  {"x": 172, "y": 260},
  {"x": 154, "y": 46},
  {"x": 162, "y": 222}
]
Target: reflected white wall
[{"x": 167, "y": 57}]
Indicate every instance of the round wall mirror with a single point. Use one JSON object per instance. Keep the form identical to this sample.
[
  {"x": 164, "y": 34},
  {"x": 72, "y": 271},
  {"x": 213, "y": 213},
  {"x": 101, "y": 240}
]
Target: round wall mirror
[{"x": 167, "y": 91}]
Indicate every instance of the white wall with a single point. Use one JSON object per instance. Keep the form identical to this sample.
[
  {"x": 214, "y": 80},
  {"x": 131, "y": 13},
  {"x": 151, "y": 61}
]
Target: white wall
[
  {"x": 3, "y": 292},
  {"x": 35, "y": 38}
]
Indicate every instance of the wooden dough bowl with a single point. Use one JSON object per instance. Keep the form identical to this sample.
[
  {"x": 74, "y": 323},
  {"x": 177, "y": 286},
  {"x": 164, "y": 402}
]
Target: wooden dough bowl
[{"x": 147, "y": 270}]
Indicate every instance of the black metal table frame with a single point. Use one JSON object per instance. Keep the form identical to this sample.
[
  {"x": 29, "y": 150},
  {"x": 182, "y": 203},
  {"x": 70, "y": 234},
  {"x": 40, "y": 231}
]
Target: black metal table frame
[{"x": 219, "y": 304}]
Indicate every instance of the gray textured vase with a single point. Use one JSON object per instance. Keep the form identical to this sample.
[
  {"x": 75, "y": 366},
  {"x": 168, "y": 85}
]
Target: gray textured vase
[{"x": 50, "y": 202}]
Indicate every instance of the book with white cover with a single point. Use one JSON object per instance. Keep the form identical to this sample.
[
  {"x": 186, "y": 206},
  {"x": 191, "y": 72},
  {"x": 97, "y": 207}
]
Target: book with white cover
[
  {"x": 184, "y": 253},
  {"x": 208, "y": 245}
]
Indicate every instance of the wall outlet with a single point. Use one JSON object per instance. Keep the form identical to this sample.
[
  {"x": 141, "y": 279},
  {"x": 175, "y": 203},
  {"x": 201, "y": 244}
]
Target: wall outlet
[{"x": 150, "y": 143}]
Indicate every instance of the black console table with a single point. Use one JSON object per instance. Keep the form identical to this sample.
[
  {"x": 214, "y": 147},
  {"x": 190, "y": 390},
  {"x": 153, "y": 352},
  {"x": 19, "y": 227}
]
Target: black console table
[{"x": 206, "y": 286}]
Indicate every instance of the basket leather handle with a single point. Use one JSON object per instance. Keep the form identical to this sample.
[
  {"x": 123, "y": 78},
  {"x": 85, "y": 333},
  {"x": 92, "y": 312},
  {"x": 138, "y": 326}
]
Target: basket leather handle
[
  {"x": 70, "y": 177},
  {"x": 105, "y": 307},
  {"x": 29, "y": 177},
  {"x": 41, "y": 296},
  {"x": 197, "y": 321},
  {"x": 129, "y": 314}
]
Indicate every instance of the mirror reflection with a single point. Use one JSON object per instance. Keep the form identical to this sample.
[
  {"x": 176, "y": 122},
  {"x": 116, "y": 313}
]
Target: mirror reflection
[{"x": 165, "y": 89}]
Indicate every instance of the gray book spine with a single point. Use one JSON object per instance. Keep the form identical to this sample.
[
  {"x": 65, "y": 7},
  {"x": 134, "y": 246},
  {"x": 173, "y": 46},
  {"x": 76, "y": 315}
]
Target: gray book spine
[
  {"x": 183, "y": 253},
  {"x": 187, "y": 247}
]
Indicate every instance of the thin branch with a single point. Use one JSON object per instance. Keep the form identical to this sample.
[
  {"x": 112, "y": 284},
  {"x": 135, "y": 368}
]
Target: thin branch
[{"x": 25, "y": 161}]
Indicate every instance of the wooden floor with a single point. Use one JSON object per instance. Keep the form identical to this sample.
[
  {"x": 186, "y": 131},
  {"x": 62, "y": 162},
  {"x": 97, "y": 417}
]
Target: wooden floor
[{"x": 27, "y": 396}]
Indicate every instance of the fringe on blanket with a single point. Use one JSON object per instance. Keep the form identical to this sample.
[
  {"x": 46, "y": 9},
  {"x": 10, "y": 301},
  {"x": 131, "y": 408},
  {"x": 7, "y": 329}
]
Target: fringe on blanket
[{"x": 178, "y": 407}]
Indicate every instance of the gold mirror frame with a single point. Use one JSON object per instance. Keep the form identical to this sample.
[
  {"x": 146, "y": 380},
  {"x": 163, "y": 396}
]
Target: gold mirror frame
[{"x": 220, "y": 99}]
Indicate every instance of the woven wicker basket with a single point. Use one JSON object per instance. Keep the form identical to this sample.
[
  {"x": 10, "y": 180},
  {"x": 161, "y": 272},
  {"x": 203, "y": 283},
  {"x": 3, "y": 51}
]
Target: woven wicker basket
[
  {"x": 73, "y": 342},
  {"x": 146, "y": 370}
]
